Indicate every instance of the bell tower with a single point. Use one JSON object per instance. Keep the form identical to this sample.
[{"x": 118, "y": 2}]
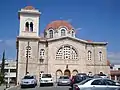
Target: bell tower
[
  {"x": 29, "y": 22},
  {"x": 28, "y": 42}
]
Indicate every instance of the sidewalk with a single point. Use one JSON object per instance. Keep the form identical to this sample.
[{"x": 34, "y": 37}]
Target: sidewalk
[{"x": 2, "y": 87}]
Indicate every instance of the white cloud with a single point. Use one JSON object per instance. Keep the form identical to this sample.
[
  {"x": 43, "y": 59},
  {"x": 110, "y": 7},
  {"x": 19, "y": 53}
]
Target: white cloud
[
  {"x": 9, "y": 46},
  {"x": 77, "y": 29},
  {"x": 1, "y": 40},
  {"x": 114, "y": 57},
  {"x": 10, "y": 42},
  {"x": 61, "y": 17},
  {"x": 69, "y": 20}
]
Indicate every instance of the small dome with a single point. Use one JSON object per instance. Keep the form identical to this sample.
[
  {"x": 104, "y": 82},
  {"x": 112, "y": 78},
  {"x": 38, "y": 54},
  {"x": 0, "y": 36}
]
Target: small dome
[
  {"x": 59, "y": 23},
  {"x": 29, "y": 8}
]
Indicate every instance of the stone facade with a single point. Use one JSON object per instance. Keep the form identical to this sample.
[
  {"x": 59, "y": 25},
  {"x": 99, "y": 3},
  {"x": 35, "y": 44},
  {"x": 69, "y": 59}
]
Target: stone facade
[{"x": 58, "y": 52}]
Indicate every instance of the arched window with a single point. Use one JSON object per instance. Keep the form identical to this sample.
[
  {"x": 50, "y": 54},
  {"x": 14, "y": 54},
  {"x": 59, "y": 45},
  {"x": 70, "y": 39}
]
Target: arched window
[
  {"x": 74, "y": 72},
  {"x": 51, "y": 33},
  {"x": 89, "y": 55},
  {"x": 67, "y": 52},
  {"x": 42, "y": 52},
  {"x": 100, "y": 55},
  {"x": 72, "y": 33},
  {"x": 31, "y": 26},
  {"x": 28, "y": 51},
  {"x": 63, "y": 32},
  {"x": 26, "y": 26}
]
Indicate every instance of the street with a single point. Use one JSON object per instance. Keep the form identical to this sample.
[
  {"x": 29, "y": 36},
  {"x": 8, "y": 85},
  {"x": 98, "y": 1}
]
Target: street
[{"x": 44, "y": 88}]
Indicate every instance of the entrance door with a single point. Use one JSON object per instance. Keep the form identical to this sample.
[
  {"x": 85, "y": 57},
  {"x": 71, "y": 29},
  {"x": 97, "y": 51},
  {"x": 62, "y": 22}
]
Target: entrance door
[
  {"x": 74, "y": 72},
  {"x": 67, "y": 72},
  {"x": 58, "y": 74}
]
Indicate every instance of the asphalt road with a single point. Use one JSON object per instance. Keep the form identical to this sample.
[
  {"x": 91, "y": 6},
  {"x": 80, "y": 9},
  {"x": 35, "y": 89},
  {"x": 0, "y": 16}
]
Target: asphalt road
[{"x": 43, "y": 88}]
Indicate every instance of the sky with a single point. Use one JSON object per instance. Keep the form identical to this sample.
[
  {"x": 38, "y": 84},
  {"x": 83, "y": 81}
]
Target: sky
[{"x": 96, "y": 20}]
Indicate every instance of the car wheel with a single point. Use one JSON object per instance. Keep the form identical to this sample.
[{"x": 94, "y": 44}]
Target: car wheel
[
  {"x": 34, "y": 86},
  {"x": 58, "y": 84},
  {"x": 52, "y": 84},
  {"x": 41, "y": 85},
  {"x": 21, "y": 87}
]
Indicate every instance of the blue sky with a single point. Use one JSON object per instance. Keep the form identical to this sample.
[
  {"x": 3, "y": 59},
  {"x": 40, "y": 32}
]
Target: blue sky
[{"x": 96, "y": 20}]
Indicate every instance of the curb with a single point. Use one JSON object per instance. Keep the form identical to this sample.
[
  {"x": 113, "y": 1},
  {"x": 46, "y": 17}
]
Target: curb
[{"x": 10, "y": 87}]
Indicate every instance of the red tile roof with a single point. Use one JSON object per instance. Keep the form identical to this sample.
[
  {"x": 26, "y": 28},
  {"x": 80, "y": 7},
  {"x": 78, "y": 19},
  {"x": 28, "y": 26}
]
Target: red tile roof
[
  {"x": 89, "y": 40},
  {"x": 29, "y": 8},
  {"x": 56, "y": 24}
]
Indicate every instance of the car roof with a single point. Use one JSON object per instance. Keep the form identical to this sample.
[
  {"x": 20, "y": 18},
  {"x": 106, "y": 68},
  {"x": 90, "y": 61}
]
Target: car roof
[
  {"x": 64, "y": 76},
  {"x": 81, "y": 74}
]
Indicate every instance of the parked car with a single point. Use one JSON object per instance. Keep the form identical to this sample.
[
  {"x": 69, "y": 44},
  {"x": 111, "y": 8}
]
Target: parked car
[
  {"x": 78, "y": 79},
  {"x": 82, "y": 74},
  {"x": 96, "y": 84},
  {"x": 100, "y": 76},
  {"x": 29, "y": 81},
  {"x": 46, "y": 79},
  {"x": 63, "y": 80}
]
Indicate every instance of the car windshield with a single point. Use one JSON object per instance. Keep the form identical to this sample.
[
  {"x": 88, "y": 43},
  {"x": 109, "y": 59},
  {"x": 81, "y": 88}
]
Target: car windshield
[
  {"x": 102, "y": 75},
  {"x": 84, "y": 81},
  {"x": 46, "y": 76},
  {"x": 64, "y": 77},
  {"x": 28, "y": 77},
  {"x": 81, "y": 74}
]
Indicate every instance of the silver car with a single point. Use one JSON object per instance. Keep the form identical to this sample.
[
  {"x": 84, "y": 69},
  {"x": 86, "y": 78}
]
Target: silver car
[
  {"x": 28, "y": 81},
  {"x": 96, "y": 84},
  {"x": 63, "y": 80}
]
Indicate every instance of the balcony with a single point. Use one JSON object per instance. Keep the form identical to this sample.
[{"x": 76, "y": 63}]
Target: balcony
[{"x": 12, "y": 74}]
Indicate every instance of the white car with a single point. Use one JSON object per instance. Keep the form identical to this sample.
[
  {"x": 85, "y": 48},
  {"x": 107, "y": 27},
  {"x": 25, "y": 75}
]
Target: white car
[
  {"x": 29, "y": 81},
  {"x": 96, "y": 84},
  {"x": 46, "y": 79},
  {"x": 100, "y": 76}
]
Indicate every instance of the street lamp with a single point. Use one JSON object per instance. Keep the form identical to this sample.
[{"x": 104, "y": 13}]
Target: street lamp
[
  {"x": 41, "y": 60},
  {"x": 28, "y": 48}
]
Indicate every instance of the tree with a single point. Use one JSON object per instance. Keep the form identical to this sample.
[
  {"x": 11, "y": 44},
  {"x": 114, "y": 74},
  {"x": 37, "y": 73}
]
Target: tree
[{"x": 2, "y": 74}]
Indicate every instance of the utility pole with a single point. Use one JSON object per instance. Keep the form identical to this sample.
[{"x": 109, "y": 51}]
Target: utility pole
[{"x": 28, "y": 48}]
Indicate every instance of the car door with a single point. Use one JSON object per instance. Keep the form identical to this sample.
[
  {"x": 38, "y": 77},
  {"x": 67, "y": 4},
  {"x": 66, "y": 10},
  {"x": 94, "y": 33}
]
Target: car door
[
  {"x": 111, "y": 85},
  {"x": 98, "y": 85}
]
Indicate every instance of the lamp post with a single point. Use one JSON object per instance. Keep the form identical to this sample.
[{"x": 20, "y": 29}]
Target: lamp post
[
  {"x": 28, "y": 48},
  {"x": 41, "y": 61}
]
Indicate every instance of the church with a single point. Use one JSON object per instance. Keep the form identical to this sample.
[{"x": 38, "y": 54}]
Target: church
[{"x": 59, "y": 52}]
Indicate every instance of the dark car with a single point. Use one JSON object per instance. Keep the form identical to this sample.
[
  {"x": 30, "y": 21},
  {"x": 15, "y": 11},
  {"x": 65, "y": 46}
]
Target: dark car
[{"x": 77, "y": 79}]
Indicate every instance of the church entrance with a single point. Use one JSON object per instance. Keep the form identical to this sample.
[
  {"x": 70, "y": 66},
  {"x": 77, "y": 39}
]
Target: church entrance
[
  {"x": 67, "y": 72},
  {"x": 58, "y": 74},
  {"x": 74, "y": 72}
]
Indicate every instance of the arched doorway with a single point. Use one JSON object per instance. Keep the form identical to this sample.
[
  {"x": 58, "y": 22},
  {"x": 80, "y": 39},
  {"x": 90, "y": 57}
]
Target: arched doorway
[
  {"x": 74, "y": 72},
  {"x": 67, "y": 72},
  {"x": 58, "y": 74}
]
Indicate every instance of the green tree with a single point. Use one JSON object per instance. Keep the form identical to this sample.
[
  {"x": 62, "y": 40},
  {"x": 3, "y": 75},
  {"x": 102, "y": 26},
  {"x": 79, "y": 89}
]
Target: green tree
[
  {"x": 1, "y": 79},
  {"x": 2, "y": 73}
]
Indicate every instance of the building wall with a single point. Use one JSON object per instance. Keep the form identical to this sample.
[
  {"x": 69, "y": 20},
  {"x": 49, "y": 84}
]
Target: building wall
[
  {"x": 116, "y": 67},
  {"x": 33, "y": 61},
  {"x": 10, "y": 70}
]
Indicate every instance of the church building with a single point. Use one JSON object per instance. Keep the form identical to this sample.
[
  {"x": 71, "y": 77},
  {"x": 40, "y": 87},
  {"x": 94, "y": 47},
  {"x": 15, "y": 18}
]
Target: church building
[{"x": 59, "y": 52}]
